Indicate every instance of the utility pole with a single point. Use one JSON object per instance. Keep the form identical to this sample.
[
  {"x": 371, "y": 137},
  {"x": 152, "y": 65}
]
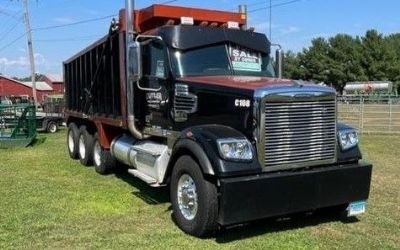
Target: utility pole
[
  {"x": 30, "y": 49},
  {"x": 270, "y": 21}
]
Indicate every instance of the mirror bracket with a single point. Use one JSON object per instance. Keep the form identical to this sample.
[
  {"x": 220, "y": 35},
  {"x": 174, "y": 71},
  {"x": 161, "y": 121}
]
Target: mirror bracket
[
  {"x": 279, "y": 57},
  {"x": 137, "y": 45}
]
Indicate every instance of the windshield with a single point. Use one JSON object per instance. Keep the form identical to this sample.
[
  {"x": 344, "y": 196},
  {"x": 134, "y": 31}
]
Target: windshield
[{"x": 224, "y": 59}]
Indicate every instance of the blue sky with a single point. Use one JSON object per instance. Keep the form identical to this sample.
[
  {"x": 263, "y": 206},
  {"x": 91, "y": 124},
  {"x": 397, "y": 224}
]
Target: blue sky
[{"x": 293, "y": 25}]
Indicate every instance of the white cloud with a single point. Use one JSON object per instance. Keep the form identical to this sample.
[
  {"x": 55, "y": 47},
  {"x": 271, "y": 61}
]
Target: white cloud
[
  {"x": 264, "y": 26},
  {"x": 290, "y": 30},
  {"x": 93, "y": 12},
  {"x": 21, "y": 61},
  {"x": 64, "y": 20},
  {"x": 20, "y": 66}
]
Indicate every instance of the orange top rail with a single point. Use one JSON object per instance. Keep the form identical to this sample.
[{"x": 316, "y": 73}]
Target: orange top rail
[{"x": 158, "y": 15}]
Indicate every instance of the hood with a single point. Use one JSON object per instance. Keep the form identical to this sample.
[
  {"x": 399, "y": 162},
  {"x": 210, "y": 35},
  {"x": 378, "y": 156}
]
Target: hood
[
  {"x": 260, "y": 85},
  {"x": 241, "y": 82}
]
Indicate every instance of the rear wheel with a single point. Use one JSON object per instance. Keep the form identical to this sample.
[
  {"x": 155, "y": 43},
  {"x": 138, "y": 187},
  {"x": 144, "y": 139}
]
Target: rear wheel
[
  {"x": 85, "y": 146},
  {"x": 72, "y": 141},
  {"x": 194, "y": 199},
  {"x": 104, "y": 162}
]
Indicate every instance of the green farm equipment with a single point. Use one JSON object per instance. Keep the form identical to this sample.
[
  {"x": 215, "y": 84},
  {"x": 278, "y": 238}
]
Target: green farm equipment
[{"x": 17, "y": 125}]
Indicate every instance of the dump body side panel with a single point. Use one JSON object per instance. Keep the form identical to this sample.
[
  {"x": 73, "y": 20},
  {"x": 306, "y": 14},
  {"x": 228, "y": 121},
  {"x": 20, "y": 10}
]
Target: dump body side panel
[{"x": 92, "y": 80}]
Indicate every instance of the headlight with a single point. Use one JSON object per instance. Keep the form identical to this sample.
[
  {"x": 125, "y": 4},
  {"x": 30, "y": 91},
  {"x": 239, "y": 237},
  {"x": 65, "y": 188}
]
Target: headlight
[
  {"x": 235, "y": 149},
  {"x": 348, "y": 138}
]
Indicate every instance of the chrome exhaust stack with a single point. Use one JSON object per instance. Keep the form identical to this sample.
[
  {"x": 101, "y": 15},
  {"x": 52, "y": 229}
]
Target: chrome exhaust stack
[{"x": 130, "y": 40}]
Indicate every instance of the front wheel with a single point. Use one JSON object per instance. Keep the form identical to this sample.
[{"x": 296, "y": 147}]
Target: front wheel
[{"x": 194, "y": 199}]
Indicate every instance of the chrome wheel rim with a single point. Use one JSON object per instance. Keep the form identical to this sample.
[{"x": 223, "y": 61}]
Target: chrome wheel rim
[
  {"x": 187, "y": 197},
  {"x": 97, "y": 153},
  {"x": 82, "y": 149},
  {"x": 71, "y": 142}
]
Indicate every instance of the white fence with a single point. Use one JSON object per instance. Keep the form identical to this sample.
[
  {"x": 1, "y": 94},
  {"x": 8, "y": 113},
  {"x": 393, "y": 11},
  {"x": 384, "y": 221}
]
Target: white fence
[{"x": 370, "y": 115}]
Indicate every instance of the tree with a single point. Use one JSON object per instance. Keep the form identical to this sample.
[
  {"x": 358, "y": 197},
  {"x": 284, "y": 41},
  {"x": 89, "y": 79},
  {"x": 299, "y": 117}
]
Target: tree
[
  {"x": 345, "y": 53},
  {"x": 292, "y": 68},
  {"x": 379, "y": 59},
  {"x": 38, "y": 77},
  {"x": 393, "y": 41},
  {"x": 344, "y": 58},
  {"x": 315, "y": 60}
]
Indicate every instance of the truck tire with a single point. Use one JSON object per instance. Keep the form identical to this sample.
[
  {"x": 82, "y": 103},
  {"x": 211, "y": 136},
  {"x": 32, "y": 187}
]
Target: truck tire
[
  {"x": 104, "y": 162},
  {"x": 194, "y": 199},
  {"x": 85, "y": 146},
  {"x": 72, "y": 141},
  {"x": 52, "y": 127}
]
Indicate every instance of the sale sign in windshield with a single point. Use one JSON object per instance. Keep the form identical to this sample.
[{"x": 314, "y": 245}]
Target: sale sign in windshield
[{"x": 245, "y": 60}]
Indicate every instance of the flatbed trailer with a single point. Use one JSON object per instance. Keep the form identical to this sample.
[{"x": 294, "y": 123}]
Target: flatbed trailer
[{"x": 51, "y": 115}]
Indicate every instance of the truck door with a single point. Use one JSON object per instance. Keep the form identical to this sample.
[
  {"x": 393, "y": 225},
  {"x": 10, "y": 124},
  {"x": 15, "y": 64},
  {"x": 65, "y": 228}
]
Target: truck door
[{"x": 153, "y": 87}]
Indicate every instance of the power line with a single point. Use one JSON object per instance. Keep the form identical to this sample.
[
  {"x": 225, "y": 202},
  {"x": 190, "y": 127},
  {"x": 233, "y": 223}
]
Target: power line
[
  {"x": 13, "y": 41},
  {"x": 167, "y": 2},
  {"x": 8, "y": 28},
  {"x": 6, "y": 6},
  {"x": 261, "y": 2},
  {"x": 83, "y": 38},
  {"x": 72, "y": 24},
  {"x": 54, "y": 27},
  {"x": 255, "y": 4},
  {"x": 9, "y": 15},
  {"x": 274, "y": 5},
  {"x": 7, "y": 32}
]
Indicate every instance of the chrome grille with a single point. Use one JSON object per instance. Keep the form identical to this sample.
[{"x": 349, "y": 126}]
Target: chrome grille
[{"x": 299, "y": 133}]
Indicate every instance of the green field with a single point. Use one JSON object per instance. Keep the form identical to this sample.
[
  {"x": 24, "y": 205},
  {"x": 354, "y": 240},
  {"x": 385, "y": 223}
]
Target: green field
[{"x": 49, "y": 201}]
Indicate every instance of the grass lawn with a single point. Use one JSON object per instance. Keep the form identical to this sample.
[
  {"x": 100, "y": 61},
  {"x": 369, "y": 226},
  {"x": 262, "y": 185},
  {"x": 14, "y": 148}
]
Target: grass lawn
[{"x": 50, "y": 201}]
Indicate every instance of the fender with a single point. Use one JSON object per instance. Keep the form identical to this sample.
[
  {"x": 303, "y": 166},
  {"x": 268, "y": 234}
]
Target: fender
[
  {"x": 350, "y": 155},
  {"x": 201, "y": 143}
]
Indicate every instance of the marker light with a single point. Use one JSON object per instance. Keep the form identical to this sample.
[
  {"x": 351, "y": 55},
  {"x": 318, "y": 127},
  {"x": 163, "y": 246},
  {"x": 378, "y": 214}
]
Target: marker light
[
  {"x": 186, "y": 20},
  {"x": 233, "y": 25}
]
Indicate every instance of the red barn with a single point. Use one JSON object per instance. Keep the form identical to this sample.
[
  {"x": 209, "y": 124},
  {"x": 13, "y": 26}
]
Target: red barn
[
  {"x": 56, "y": 82},
  {"x": 13, "y": 88}
]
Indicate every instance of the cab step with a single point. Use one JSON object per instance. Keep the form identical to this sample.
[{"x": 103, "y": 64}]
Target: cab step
[{"x": 148, "y": 179}]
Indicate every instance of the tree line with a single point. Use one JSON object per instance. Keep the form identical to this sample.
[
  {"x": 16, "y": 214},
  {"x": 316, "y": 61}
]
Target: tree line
[
  {"x": 38, "y": 77},
  {"x": 344, "y": 58}
]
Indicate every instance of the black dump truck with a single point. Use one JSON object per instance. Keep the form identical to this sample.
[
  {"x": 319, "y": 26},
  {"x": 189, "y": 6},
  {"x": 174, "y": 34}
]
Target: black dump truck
[{"x": 190, "y": 99}]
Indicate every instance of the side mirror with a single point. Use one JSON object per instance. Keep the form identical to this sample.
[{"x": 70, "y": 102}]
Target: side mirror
[
  {"x": 133, "y": 61},
  {"x": 279, "y": 57}
]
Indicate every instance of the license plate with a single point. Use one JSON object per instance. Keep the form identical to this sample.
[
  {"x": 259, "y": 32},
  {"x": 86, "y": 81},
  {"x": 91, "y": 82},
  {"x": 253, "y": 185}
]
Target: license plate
[{"x": 356, "y": 208}]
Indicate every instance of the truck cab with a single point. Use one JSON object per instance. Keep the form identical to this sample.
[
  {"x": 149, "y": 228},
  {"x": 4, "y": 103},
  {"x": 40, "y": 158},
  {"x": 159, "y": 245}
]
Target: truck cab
[{"x": 190, "y": 98}]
